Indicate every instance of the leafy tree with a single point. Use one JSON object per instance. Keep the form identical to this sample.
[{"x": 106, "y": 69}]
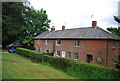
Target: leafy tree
[
  {"x": 115, "y": 31},
  {"x": 22, "y": 22},
  {"x": 36, "y": 22},
  {"x": 11, "y": 21}
]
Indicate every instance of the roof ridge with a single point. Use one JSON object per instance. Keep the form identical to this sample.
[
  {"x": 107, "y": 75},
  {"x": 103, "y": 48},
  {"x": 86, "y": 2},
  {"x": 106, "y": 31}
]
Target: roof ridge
[{"x": 76, "y": 28}]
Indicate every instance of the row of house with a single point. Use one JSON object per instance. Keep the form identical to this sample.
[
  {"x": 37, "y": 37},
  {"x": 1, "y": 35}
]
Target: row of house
[{"x": 89, "y": 44}]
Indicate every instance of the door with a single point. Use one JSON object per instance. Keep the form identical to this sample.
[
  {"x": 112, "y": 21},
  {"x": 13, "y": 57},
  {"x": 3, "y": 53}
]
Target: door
[
  {"x": 89, "y": 58},
  {"x": 63, "y": 54}
]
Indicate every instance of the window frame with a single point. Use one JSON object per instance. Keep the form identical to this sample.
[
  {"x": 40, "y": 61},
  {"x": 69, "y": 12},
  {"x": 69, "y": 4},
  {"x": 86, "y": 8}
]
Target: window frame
[
  {"x": 57, "y": 53},
  {"x": 58, "y": 43},
  {"x": 46, "y": 50},
  {"x": 38, "y": 41},
  {"x": 114, "y": 44},
  {"x": 77, "y": 43},
  {"x": 69, "y": 55},
  {"x": 76, "y": 57},
  {"x": 50, "y": 50},
  {"x": 46, "y": 42}
]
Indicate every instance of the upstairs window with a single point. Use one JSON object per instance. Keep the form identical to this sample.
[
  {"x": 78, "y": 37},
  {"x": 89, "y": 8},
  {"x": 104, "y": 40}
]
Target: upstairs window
[
  {"x": 38, "y": 41},
  {"x": 76, "y": 56},
  {"x": 113, "y": 44},
  {"x": 46, "y": 42},
  {"x": 58, "y": 42},
  {"x": 76, "y": 43}
]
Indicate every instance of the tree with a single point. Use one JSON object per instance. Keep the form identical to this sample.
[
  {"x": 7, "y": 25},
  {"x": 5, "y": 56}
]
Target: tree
[
  {"x": 11, "y": 21},
  {"x": 115, "y": 31},
  {"x": 24, "y": 21},
  {"x": 36, "y": 22}
]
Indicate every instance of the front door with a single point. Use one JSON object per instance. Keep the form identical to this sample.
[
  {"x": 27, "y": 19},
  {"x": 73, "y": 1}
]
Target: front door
[
  {"x": 63, "y": 54},
  {"x": 89, "y": 58}
]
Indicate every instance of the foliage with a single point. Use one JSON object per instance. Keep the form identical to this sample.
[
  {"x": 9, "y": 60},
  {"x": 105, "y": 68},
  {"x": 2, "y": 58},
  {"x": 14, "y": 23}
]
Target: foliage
[
  {"x": 115, "y": 31},
  {"x": 116, "y": 60},
  {"x": 22, "y": 22},
  {"x": 11, "y": 21},
  {"x": 74, "y": 68},
  {"x": 116, "y": 19}
]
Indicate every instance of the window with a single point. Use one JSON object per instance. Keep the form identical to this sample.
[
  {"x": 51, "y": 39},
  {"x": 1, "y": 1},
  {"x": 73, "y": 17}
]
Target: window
[
  {"x": 57, "y": 53},
  {"x": 46, "y": 42},
  {"x": 40, "y": 50},
  {"x": 50, "y": 51},
  {"x": 76, "y": 43},
  {"x": 38, "y": 41},
  {"x": 58, "y": 42},
  {"x": 113, "y": 44},
  {"x": 36, "y": 48},
  {"x": 46, "y": 51},
  {"x": 76, "y": 56},
  {"x": 68, "y": 54}
]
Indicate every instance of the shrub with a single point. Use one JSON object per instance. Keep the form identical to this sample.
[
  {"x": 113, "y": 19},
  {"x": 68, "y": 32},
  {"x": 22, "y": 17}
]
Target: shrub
[{"x": 74, "y": 68}]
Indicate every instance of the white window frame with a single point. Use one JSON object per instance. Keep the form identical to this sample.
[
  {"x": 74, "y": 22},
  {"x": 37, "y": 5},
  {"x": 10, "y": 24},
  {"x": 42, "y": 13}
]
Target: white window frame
[
  {"x": 38, "y": 41},
  {"x": 76, "y": 43},
  {"x": 57, "y": 52},
  {"x": 50, "y": 50},
  {"x": 46, "y": 42},
  {"x": 46, "y": 51},
  {"x": 68, "y": 54},
  {"x": 114, "y": 44},
  {"x": 58, "y": 44},
  {"x": 76, "y": 57}
]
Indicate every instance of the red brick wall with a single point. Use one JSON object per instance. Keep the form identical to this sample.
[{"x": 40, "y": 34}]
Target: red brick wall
[{"x": 92, "y": 47}]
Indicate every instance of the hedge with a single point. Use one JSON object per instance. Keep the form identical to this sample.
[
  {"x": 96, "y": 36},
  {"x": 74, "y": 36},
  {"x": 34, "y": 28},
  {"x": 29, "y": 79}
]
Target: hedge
[{"x": 74, "y": 68}]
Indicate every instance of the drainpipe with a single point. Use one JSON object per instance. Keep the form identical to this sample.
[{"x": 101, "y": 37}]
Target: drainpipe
[{"x": 107, "y": 53}]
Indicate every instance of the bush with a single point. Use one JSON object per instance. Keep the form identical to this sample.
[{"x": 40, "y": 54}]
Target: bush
[{"x": 74, "y": 68}]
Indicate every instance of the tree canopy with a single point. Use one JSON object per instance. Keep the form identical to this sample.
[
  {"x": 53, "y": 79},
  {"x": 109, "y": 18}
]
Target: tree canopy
[
  {"x": 115, "y": 31},
  {"x": 22, "y": 22}
]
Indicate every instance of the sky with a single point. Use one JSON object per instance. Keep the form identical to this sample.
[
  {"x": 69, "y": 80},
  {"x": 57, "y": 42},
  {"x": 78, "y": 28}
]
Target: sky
[{"x": 79, "y": 13}]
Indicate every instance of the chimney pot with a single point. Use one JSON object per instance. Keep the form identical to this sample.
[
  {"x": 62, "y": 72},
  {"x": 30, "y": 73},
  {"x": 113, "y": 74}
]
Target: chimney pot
[
  {"x": 53, "y": 28},
  {"x": 63, "y": 28},
  {"x": 94, "y": 24}
]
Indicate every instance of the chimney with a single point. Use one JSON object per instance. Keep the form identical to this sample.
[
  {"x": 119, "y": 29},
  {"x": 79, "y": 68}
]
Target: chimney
[
  {"x": 94, "y": 24},
  {"x": 52, "y": 29},
  {"x": 63, "y": 28}
]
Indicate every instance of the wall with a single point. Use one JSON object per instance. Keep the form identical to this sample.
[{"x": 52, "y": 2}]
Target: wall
[{"x": 96, "y": 48}]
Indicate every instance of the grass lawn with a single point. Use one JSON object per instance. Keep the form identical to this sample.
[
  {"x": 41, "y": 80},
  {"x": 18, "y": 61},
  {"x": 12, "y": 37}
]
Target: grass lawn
[{"x": 17, "y": 67}]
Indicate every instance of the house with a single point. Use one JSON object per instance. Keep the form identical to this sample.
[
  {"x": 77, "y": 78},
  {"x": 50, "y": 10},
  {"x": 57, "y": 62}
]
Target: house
[{"x": 90, "y": 44}]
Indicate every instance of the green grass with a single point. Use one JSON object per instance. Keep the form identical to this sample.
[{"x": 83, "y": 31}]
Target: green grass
[{"x": 17, "y": 67}]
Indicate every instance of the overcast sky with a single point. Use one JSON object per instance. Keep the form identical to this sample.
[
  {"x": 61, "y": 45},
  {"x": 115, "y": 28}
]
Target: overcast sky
[{"x": 77, "y": 13}]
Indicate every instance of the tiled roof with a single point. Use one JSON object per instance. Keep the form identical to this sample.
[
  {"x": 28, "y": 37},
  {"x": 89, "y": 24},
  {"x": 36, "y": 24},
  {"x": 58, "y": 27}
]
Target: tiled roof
[{"x": 78, "y": 33}]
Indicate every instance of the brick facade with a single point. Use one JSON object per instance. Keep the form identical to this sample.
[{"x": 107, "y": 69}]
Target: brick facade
[{"x": 88, "y": 50}]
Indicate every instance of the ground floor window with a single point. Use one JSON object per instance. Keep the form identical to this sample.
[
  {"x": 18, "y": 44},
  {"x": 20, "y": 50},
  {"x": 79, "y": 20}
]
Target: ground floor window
[
  {"x": 68, "y": 54},
  {"x": 46, "y": 50},
  {"x": 50, "y": 51},
  {"x": 76, "y": 56},
  {"x": 57, "y": 53}
]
